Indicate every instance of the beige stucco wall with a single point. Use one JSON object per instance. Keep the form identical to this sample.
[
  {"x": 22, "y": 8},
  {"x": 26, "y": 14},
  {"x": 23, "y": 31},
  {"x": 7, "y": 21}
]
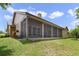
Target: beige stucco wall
[
  {"x": 9, "y": 29},
  {"x": 64, "y": 33},
  {"x": 18, "y": 18}
]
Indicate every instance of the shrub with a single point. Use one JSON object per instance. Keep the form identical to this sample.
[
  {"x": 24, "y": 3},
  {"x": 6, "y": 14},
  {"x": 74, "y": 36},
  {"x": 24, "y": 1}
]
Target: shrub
[{"x": 3, "y": 36}]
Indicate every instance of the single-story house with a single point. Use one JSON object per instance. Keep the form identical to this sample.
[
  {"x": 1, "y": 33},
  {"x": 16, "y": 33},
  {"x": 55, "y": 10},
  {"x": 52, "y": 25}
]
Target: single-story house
[{"x": 26, "y": 25}]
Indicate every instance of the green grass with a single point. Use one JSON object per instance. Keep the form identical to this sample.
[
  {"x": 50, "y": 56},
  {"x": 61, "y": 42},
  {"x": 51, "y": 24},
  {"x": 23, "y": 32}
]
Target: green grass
[
  {"x": 61, "y": 47},
  {"x": 2, "y": 34}
]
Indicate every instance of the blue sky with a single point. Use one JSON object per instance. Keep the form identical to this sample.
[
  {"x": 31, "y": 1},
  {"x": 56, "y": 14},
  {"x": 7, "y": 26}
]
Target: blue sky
[{"x": 62, "y": 14}]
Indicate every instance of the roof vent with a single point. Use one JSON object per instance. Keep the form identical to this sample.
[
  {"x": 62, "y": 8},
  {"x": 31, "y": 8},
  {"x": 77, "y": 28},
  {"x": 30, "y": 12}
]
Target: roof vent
[{"x": 39, "y": 15}]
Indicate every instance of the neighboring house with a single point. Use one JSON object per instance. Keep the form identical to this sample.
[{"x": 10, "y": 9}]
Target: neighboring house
[{"x": 26, "y": 25}]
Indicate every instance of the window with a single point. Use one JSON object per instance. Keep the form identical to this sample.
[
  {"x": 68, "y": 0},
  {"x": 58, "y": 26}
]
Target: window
[
  {"x": 34, "y": 31},
  {"x": 59, "y": 33},
  {"x": 54, "y": 32},
  {"x": 47, "y": 31}
]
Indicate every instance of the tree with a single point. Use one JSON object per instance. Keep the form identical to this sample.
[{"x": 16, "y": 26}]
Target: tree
[
  {"x": 75, "y": 33},
  {"x": 4, "y": 5},
  {"x": 77, "y": 13},
  {"x": 1, "y": 32}
]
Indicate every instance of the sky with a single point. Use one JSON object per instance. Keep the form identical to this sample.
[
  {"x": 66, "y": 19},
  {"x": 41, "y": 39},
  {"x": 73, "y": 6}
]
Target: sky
[{"x": 62, "y": 14}]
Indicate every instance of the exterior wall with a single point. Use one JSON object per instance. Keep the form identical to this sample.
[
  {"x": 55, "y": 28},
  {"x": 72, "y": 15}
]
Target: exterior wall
[
  {"x": 8, "y": 29},
  {"x": 65, "y": 33},
  {"x": 35, "y": 28},
  {"x": 18, "y": 19},
  {"x": 11, "y": 30}
]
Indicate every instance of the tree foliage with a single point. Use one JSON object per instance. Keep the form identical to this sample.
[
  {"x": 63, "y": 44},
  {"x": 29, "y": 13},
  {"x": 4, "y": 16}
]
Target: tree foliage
[
  {"x": 75, "y": 32},
  {"x": 1, "y": 32},
  {"x": 4, "y": 5},
  {"x": 77, "y": 13}
]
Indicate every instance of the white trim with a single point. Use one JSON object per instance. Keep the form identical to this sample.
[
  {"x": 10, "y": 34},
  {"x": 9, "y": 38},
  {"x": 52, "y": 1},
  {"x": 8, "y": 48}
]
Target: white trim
[
  {"x": 42, "y": 30},
  {"x": 26, "y": 27},
  {"x": 51, "y": 31},
  {"x": 57, "y": 32}
]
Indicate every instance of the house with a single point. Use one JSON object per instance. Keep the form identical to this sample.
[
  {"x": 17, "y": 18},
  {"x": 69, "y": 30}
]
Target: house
[{"x": 26, "y": 25}]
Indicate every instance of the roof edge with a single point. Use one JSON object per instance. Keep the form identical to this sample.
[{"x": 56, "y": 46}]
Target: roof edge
[{"x": 24, "y": 13}]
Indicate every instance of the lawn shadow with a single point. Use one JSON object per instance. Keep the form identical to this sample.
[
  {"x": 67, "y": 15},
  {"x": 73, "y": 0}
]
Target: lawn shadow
[
  {"x": 4, "y": 51},
  {"x": 75, "y": 39},
  {"x": 30, "y": 41}
]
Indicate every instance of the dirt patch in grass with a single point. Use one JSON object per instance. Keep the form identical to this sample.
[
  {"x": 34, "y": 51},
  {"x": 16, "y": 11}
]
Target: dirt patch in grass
[{"x": 57, "y": 50}]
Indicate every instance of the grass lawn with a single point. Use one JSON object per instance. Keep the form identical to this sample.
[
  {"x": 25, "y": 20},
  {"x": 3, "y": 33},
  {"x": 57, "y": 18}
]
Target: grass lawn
[
  {"x": 61, "y": 47},
  {"x": 2, "y": 34}
]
